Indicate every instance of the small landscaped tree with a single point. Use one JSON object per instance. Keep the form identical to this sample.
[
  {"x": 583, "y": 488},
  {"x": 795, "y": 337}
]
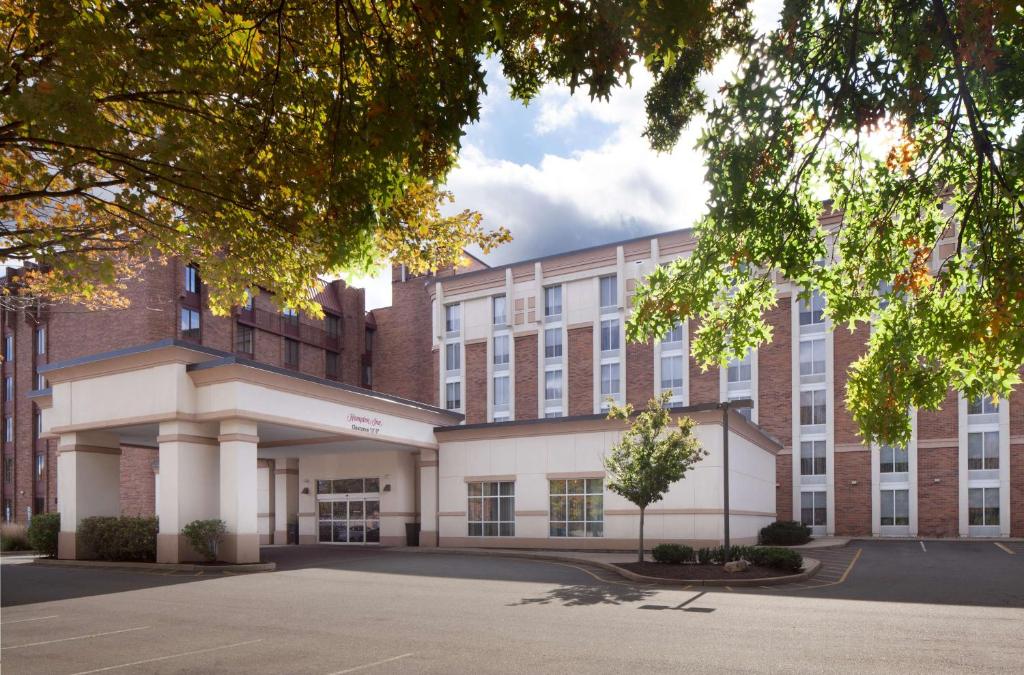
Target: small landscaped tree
[{"x": 651, "y": 456}]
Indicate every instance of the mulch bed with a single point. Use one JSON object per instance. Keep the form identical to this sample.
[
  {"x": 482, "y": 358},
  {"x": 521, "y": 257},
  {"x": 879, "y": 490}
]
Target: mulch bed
[{"x": 670, "y": 571}]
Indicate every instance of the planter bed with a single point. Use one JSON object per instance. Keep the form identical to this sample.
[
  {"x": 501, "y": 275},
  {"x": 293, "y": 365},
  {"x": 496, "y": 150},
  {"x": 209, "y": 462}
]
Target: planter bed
[{"x": 698, "y": 572}]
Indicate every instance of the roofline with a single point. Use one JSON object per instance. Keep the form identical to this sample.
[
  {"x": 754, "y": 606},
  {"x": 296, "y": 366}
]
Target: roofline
[{"x": 222, "y": 358}]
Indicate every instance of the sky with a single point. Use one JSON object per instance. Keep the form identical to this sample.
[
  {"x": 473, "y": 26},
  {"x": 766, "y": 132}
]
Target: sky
[{"x": 566, "y": 172}]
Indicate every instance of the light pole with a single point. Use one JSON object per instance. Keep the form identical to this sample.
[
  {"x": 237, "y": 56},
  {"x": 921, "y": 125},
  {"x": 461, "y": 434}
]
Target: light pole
[{"x": 725, "y": 406}]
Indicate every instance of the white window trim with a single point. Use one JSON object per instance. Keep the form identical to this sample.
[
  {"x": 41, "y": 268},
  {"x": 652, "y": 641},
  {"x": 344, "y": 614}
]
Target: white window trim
[{"x": 965, "y": 425}]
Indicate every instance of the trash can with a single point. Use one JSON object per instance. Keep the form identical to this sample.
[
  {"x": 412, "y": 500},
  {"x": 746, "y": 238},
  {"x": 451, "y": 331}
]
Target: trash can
[
  {"x": 412, "y": 534},
  {"x": 293, "y": 533}
]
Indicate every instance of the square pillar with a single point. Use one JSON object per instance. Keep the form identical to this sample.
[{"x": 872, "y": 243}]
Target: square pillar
[
  {"x": 428, "y": 498},
  {"x": 189, "y": 486},
  {"x": 88, "y": 484},
  {"x": 286, "y": 497},
  {"x": 238, "y": 494}
]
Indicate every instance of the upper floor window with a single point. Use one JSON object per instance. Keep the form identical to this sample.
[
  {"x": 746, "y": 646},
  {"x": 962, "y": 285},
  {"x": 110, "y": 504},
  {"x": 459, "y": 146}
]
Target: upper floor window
[
  {"x": 191, "y": 279},
  {"x": 8, "y": 388},
  {"x": 609, "y": 382},
  {"x": 674, "y": 335},
  {"x": 368, "y": 338},
  {"x": 291, "y": 353},
  {"x": 250, "y": 301},
  {"x": 244, "y": 339},
  {"x": 8, "y": 468},
  {"x": 812, "y": 357},
  {"x": 452, "y": 356},
  {"x": 189, "y": 323},
  {"x": 893, "y": 459},
  {"x": 290, "y": 315},
  {"x": 453, "y": 395},
  {"x": 553, "y": 301},
  {"x": 331, "y": 364},
  {"x": 609, "y": 291},
  {"x": 40, "y": 465},
  {"x": 499, "y": 315},
  {"x": 812, "y": 407},
  {"x": 452, "y": 323},
  {"x": 367, "y": 375},
  {"x": 982, "y": 450},
  {"x": 983, "y": 405},
  {"x": 812, "y": 311},
  {"x": 332, "y": 322},
  {"x": 9, "y": 429},
  {"x": 8, "y": 348},
  {"x": 553, "y": 343},
  {"x": 40, "y": 382},
  {"x": 739, "y": 369},
  {"x": 610, "y": 335},
  {"x": 501, "y": 354},
  {"x": 553, "y": 385},
  {"x": 812, "y": 458},
  {"x": 41, "y": 340},
  {"x": 501, "y": 391},
  {"x": 37, "y": 422},
  {"x": 672, "y": 374}
]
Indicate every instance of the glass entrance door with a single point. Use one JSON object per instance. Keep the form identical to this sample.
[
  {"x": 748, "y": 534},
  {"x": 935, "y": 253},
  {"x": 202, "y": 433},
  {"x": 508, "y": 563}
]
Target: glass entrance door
[{"x": 349, "y": 517}]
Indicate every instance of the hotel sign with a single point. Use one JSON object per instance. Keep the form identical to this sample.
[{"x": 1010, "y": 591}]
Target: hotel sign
[{"x": 365, "y": 423}]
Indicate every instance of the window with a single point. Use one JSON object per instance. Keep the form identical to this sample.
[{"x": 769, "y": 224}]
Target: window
[
  {"x": 672, "y": 374},
  {"x": 367, "y": 375},
  {"x": 893, "y": 459},
  {"x": 40, "y": 466},
  {"x": 499, "y": 317},
  {"x": 553, "y": 301},
  {"x": 39, "y": 504},
  {"x": 244, "y": 339},
  {"x": 501, "y": 391},
  {"x": 983, "y": 450},
  {"x": 674, "y": 335},
  {"x": 609, "y": 291},
  {"x": 553, "y": 413},
  {"x": 812, "y": 458},
  {"x": 812, "y": 407},
  {"x": 8, "y": 348},
  {"x": 9, "y": 429},
  {"x": 895, "y": 507},
  {"x": 739, "y": 369},
  {"x": 249, "y": 300},
  {"x": 189, "y": 323},
  {"x": 812, "y": 311},
  {"x": 291, "y": 353},
  {"x": 331, "y": 364},
  {"x": 191, "y": 279},
  {"x": 812, "y": 357},
  {"x": 983, "y": 405},
  {"x": 553, "y": 385},
  {"x": 37, "y": 422},
  {"x": 40, "y": 382},
  {"x": 983, "y": 506},
  {"x": 501, "y": 354},
  {"x": 8, "y": 388},
  {"x": 609, "y": 381},
  {"x": 492, "y": 509},
  {"x": 332, "y": 322},
  {"x": 577, "y": 507},
  {"x": 368, "y": 336},
  {"x": 553, "y": 343},
  {"x": 610, "y": 335},
  {"x": 452, "y": 356},
  {"x": 813, "y": 509},
  {"x": 41, "y": 340},
  {"x": 453, "y": 395},
  {"x": 452, "y": 322},
  {"x": 290, "y": 317},
  {"x": 8, "y": 468}
]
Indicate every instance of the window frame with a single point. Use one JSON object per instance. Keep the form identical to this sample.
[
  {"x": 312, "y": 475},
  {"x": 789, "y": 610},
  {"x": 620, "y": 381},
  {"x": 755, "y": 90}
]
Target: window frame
[
  {"x": 499, "y": 319},
  {"x": 291, "y": 344},
  {"x": 813, "y": 308},
  {"x": 192, "y": 332},
  {"x": 818, "y": 458},
  {"x": 453, "y": 317},
  {"x": 553, "y": 292},
  {"x": 504, "y": 508},
  {"x": 245, "y": 334},
  {"x": 984, "y": 508},
  {"x": 586, "y": 491},
  {"x": 608, "y": 291}
]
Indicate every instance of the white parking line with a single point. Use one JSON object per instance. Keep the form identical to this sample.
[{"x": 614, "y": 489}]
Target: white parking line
[
  {"x": 169, "y": 656},
  {"x": 38, "y": 618},
  {"x": 1006, "y": 548},
  {"x": 922, "y": 546},
  {"x": 371, "y": 665},
  {"x": 78, "y": 637}
]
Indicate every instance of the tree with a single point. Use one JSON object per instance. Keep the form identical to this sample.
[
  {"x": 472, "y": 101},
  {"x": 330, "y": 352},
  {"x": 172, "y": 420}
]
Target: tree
[
  {"x": 272, "y": 141},
  {"x": 906, "y": 114},
  {"x": 647, "y": 460}
]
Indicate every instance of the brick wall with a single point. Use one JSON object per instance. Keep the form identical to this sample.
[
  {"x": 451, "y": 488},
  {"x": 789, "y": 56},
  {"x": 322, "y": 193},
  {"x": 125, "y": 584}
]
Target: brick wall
[
  {"x": 1017, "y": 461},
  {"x": 704, "y": 386},
  {"x": 937, "y": 503},
  {"x": 475, "y": 365},
  {"x": 853, "y": 502},
  {"x": 639, "y": 373},
  {"x": 775, "y": 381},
  {"x": 138, "y": 481},
  {"x": 581, "y": 370},
  {"x": 784, "y": 491},
  {"x": 526, "y": 376},
  {"x": 939, "y": 424},
  {"x": 403, "y": 338},
  {"x": 847, "y": 347}
]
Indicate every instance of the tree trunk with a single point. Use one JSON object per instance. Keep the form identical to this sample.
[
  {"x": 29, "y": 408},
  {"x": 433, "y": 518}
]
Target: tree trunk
[{"x": 640, "y": 550}]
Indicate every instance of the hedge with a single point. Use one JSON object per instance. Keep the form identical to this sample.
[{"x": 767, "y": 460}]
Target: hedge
[
  {"x": 784, "y": 533},
  {"x": 672, "y": 553},
  {"x": 763, "y": 556},
  {"x": 43, "y": 531},
  {"x": 121, "y": 539},
  {"x": 14, "y": 538},
  {"x": 205, "y": 536}
]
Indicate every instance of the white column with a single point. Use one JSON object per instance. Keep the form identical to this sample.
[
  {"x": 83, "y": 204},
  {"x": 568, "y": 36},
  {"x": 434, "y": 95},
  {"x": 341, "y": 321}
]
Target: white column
[
  {"x": 286, "y": 497},
  {"x": 428, "y": 498},
  {"x": 238, "y": 495},
  {"x": 189, "y": 485},
  {"x": 88, "y": 484}
]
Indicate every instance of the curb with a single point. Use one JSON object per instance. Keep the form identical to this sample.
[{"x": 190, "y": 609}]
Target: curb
[
  {"x": 811, "y": 567},
  {"x": 18, "y": 554},
  {"x": 165, "y": 567}
]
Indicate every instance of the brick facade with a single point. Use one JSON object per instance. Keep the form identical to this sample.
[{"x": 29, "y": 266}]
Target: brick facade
[
  {"x": 581, "y": 370},
  {"x": 639, "y": 373},
  {"x": 138, "y": 487},
  {"x": 526, "y": 377},
  {"x": 775, "y": 382},
  {"x": 475, "y": 364},
  {"x": 938, "y": 492},
  {"x": 403, "y": 334},
  {"x": 784, "y": 487},
  {"x": 847, "y": 347},
  {"x": 853, "y": 501}
]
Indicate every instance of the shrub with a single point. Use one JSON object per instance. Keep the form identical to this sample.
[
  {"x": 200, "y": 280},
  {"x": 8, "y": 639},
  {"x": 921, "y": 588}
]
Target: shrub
[
  {"x": 122, "y": 539},
  {"x": 772, "y": 557},
  {"x": 205, "y": 536},
  {"x": 14, "y": 538},
  {"x": 672, "y": 553},
  {"x": 43, "y": 531},
  {"x": 785, "y": 533}
]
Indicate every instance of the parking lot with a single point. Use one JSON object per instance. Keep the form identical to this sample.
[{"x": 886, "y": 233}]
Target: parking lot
[{"x": 875, "y": 606}]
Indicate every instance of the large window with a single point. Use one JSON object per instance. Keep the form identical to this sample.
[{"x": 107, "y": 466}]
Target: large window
[
  {"x": 452, "y": 356},
  {"x": 191, "y": 279},
  {"x": 553, "y": 343},
  {"x": 189, "y": 323},
  {"x": 813, "y": 508},
  {"x": 244, "y": 339},
  {"x": 453, "y": 395},
  {"x": 553, "y": 301},
  {"x": 609, "y": 291},
  {"x": 332, "y": 323},
  {"x": 553, "y": 385},
  {"x": 983, "y": 506},
  {"x": 895, "y": 507},
  {"x": 452, "y": 319},
  {"x": 501, "y": 389},
  {"x": 983, "y": 450},
  {"x": 672, "y": 374},
  {"x": 577, "y": 507},
  {"x": 499, "y": 315},
  {"x": 812, "y": 458},
  {"x": 501, "y": 350},
  {"x": 812, "y": 311},
  {"x": 492, "y": 509},
  {"x": 610, "y": 335},
  {"x": 812, "y": 357},
  {"x": 983, "y": 405},
  {"x": 739, "y": 369},
  {"x": 41, "y": 340},
  {"x": 610, "y": 385},
  {"x": 812, "y": 407},
  {"x": 674, "y": 335},
  {"x": 893, "y": 459},
  {"x": 291, "y": 353}
]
